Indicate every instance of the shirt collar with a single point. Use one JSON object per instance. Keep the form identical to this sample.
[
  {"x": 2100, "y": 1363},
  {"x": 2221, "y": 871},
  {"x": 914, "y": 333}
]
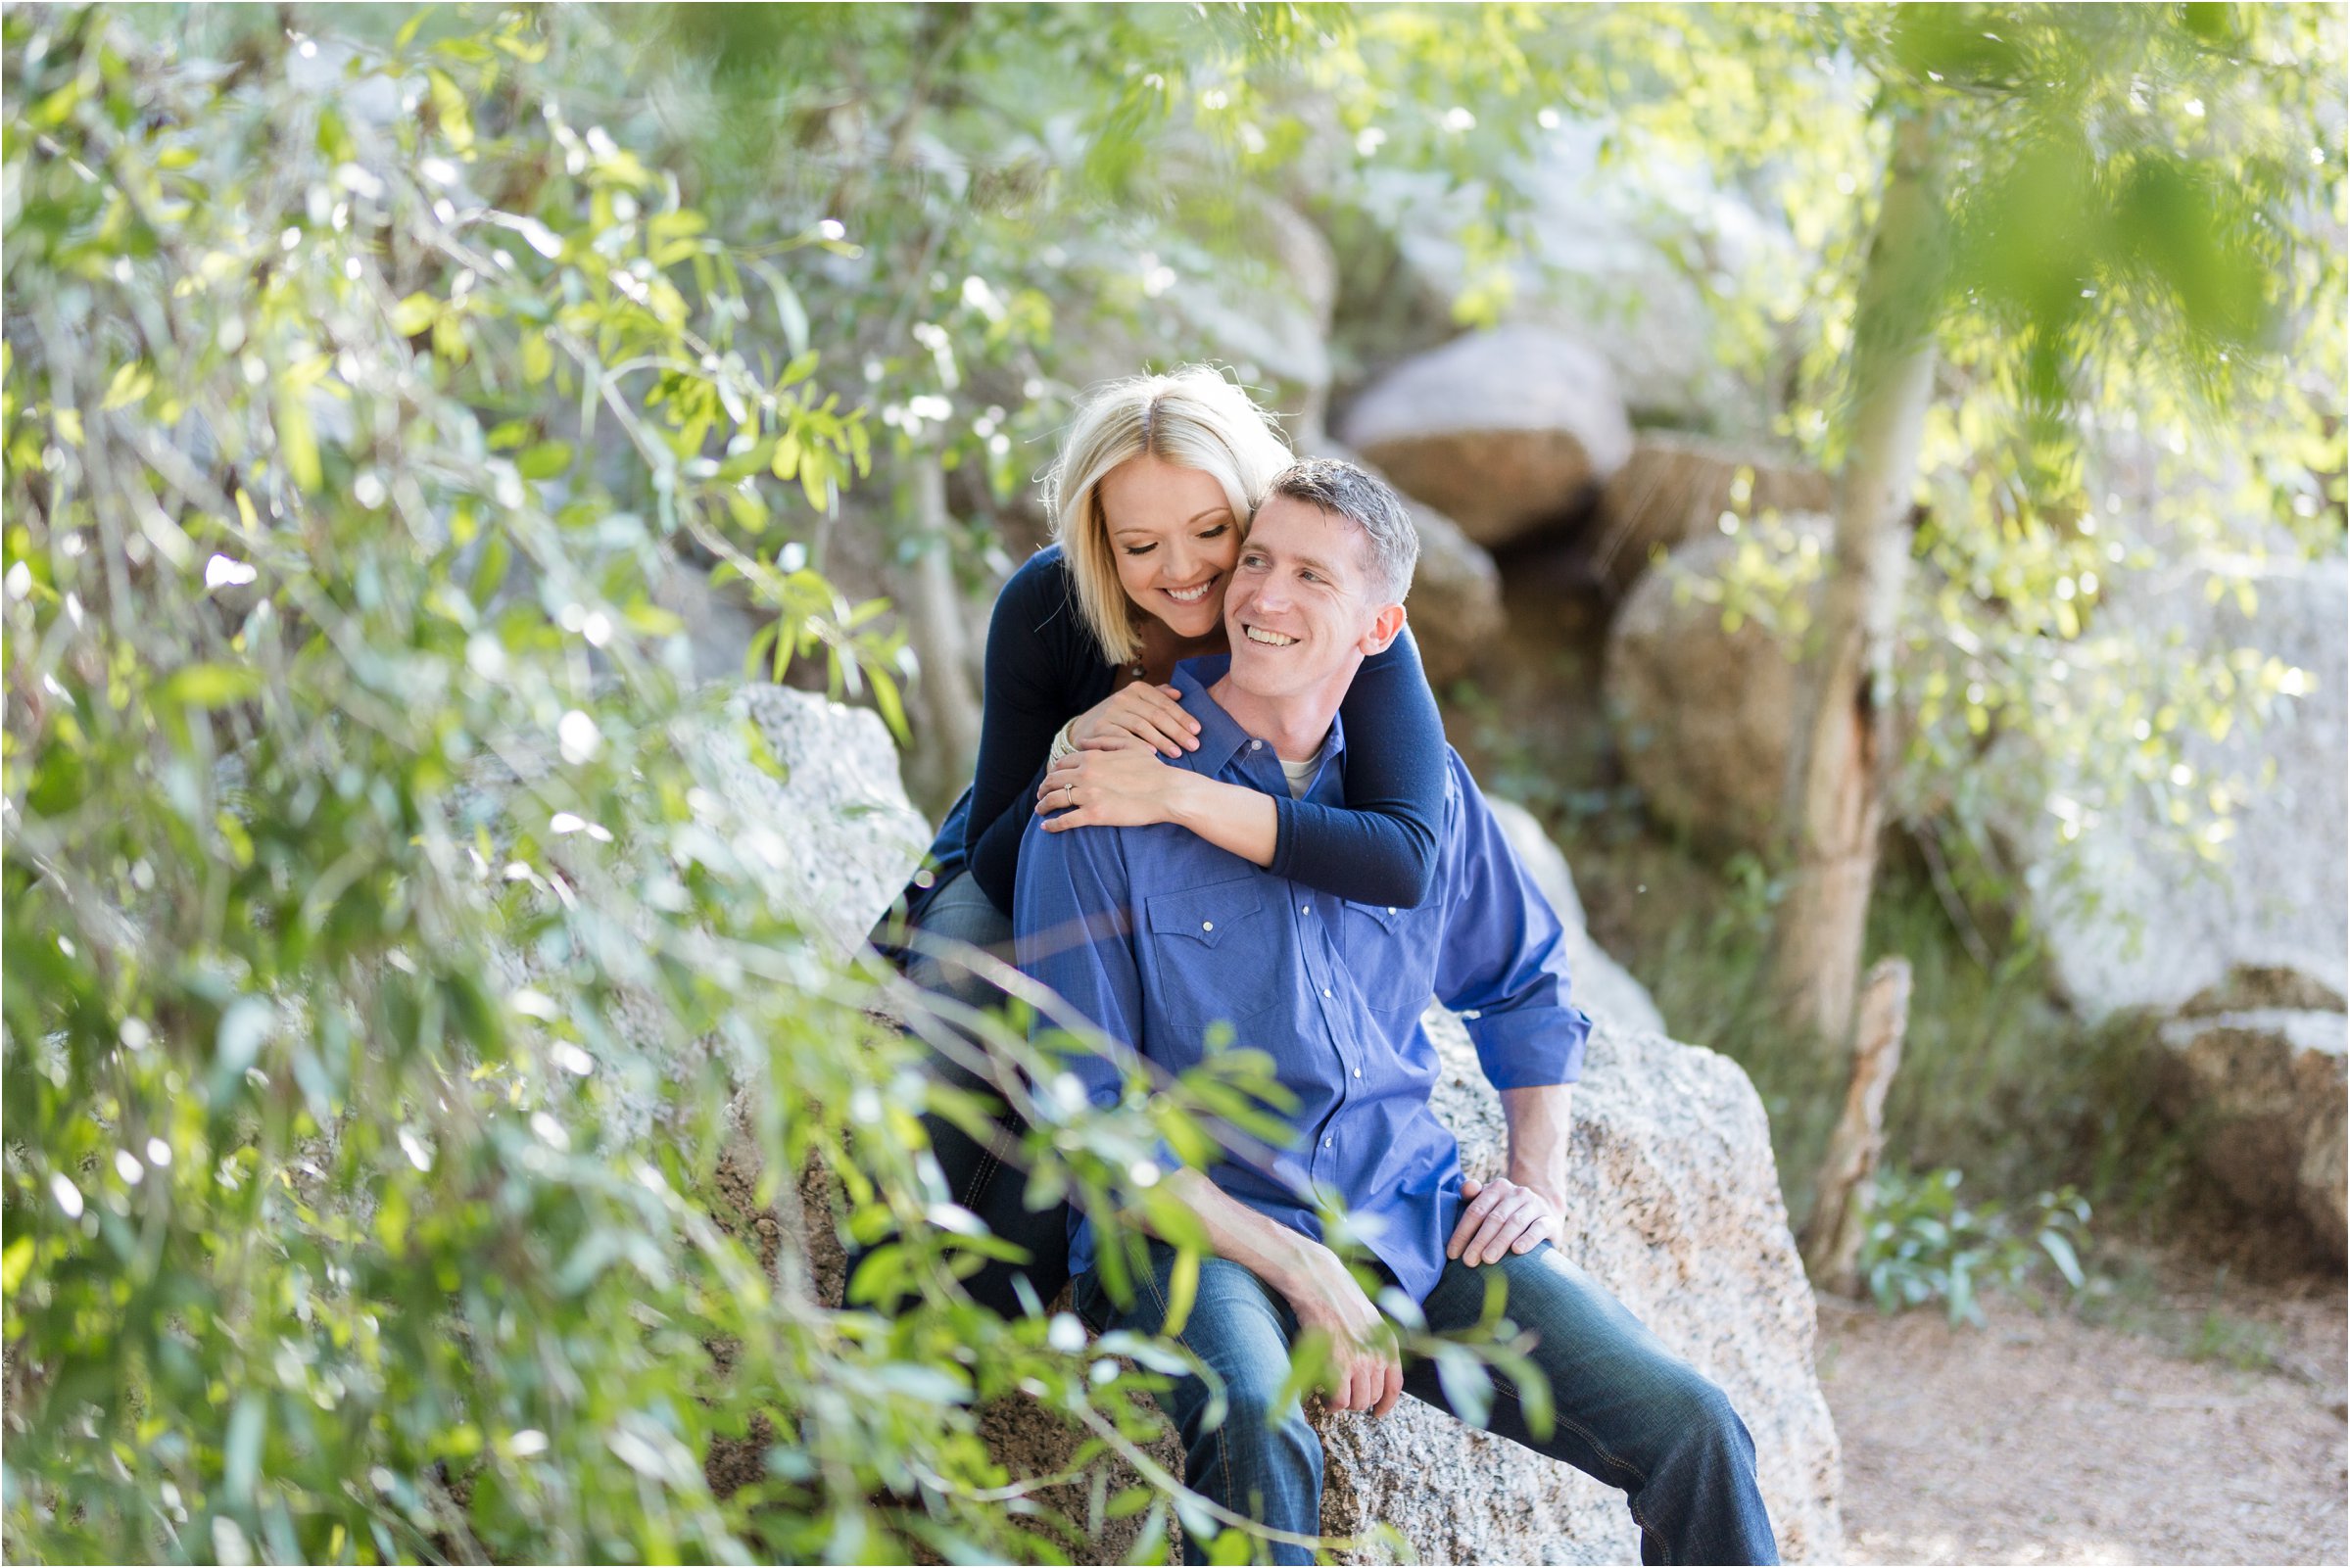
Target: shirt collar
[{"x": 1220, "y": 737}]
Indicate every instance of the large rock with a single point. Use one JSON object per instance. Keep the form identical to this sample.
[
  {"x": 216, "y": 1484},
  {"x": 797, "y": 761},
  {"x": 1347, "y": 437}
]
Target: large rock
[
  {"x": 1504, "y": 431},
  {"x": 1645, "y": 269},
  {"x": 1676, "y": 487},
  {"x": 841, "y": 824},
  {"x": 832, "y": 841},
  {"x": 1675, "y": 1207},
  {"x": 1456, "y": 603},
  {"x": 2134, "y": 918},
  {"x": 1704, "y": 712},
  {"x": 2265, "y": 1092}
]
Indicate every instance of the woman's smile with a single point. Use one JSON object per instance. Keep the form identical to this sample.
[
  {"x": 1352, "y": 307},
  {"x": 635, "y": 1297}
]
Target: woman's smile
[{"x": 1193, "y": 595}]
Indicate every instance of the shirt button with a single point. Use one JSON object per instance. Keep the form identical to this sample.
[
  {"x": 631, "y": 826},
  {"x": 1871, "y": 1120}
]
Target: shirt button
[
  {"x": 1326, "y": 990},
  {"x": 1304, "y": 909},
  {"x": 1207, "y": 926},
  {"x": 1256, "y": 745},
  {"x": 1358, "y": 1072},
  {"x": 1391, "y": 909},
  {"x": 1328, "y": 1142}
]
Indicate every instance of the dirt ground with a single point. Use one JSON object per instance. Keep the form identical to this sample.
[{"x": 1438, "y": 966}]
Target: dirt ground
[{"x": 2178, "y": 1417}]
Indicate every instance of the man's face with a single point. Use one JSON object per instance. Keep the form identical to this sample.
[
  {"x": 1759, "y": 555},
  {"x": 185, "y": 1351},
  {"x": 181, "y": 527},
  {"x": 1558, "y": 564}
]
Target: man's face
[{"x": 1302, "y": 610}]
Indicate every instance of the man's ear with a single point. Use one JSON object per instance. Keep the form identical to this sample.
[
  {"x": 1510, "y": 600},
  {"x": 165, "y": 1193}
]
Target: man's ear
[{"x": 1385, "y": 628}]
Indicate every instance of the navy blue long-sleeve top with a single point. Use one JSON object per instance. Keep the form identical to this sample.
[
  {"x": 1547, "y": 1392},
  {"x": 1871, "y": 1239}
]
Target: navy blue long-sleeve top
[{"x": 1045, "y": 667}]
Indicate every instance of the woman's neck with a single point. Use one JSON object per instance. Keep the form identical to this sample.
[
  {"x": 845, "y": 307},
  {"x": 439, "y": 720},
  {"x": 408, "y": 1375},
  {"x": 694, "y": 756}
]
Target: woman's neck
[{"x": 1163, "y": 651}]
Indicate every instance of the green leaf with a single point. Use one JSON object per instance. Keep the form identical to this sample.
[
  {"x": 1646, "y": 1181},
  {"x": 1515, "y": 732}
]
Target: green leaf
[
  {"x": 132, "y": 383},
  {"x": 1182, "y": 1288},
  {"x": 1467, "y": 1386},
  {"x": 14, "y": 1264},
  {"x": 544, "y": 460},
  {"x": 241, "y": 1459},
  {"x": 414, "y": 314},
  {"x": 2068, "y": 1263},
  {"x": 208, "y": 685},
  {"x": 297, "y": 443},
  {"x": 408, "y": 29}
]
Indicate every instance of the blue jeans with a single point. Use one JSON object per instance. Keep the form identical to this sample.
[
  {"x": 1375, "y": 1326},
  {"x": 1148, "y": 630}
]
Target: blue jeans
[
  {"x": 977, "y": 1177},
  {"x": 1628, "y": 1411}
]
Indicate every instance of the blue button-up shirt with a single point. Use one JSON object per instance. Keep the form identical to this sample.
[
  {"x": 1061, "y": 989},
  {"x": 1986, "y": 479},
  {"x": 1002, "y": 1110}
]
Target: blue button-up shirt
[{"x": 1157, "y": 935}]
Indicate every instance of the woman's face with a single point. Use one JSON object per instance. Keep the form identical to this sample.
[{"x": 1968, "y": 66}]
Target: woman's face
[{"x": 1174, "y": 537}]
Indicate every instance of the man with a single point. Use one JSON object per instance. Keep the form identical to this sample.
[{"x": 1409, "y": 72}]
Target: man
[{"x": 1157, "y": 935}]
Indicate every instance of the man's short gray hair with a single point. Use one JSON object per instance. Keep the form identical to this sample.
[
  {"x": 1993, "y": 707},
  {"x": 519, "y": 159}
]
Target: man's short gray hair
[{"x": 1369, "y": 502}]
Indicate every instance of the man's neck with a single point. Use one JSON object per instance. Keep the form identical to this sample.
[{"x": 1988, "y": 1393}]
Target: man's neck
[{"x": 1294, "y": 725}]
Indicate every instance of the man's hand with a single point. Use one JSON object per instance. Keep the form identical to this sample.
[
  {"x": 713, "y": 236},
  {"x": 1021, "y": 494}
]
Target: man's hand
[
  {"x": 1500, "y": 1218},
  {"x": 1366, "y": 1368}
]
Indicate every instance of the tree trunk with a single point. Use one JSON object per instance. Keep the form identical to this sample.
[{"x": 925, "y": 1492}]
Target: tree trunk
[
  {"x": 945, "y": 701},
  {"x": 1840, "y": 753},
  {"x": 1848, "y": 1181}
]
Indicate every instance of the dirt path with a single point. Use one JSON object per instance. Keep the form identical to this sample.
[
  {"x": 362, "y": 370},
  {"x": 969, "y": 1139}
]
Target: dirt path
[{"x": 2176, "y": 1429}]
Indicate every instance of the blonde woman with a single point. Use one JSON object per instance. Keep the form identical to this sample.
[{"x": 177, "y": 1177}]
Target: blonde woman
[{"x": 1149, "y": 497}]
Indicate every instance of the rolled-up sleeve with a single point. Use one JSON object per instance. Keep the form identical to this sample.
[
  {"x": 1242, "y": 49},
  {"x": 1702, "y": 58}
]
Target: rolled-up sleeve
[{"x": 1503, "y": 963}]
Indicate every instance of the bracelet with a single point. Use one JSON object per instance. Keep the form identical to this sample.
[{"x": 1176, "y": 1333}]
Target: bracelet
[{"x": 1063, "y": 745}]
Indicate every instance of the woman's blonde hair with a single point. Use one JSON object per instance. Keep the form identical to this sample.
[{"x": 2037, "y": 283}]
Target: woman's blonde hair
[{"x": 1192, "y": 417}]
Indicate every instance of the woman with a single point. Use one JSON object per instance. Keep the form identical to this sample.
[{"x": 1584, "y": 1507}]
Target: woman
[{"x": 1149, "y": 497}]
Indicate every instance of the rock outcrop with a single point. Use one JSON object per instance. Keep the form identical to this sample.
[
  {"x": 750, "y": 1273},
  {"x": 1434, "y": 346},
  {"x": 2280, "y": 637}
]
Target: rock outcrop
[
  {"x": 1676, "y": 1209},
  {"x": 1619, "y": 264},
  {"x": 1675, "y": 1206},
  {"x": 2265, "y": 1092},
  {"x": 1702, "y": 712},
  {"x": 2133, "y": 918},
  {"x": 839, "y": 817},
  {"x": 1674, "y": 488},
  {"x": 1503, "y": 431}
]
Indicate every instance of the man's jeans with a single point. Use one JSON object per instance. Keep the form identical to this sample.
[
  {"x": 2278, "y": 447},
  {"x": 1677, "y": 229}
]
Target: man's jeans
[{"x": 1628, "y": 1411}]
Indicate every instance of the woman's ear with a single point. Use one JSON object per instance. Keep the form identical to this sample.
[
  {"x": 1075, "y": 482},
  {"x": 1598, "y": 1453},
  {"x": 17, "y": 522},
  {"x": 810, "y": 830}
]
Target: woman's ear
[{"x": 1384, "y": 630}]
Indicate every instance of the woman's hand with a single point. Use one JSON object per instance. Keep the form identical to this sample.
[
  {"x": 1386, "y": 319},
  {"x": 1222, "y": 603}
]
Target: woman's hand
[
  {"x": 1129, "y": 788},
  {"x": 1138, "y": 715}
]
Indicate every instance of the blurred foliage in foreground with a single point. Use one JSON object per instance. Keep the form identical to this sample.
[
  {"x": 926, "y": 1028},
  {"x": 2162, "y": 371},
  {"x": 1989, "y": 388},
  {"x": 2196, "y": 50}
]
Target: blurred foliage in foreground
[
  {"x": 358, "y": 388},
  {"x": 365, "y": 1085}
]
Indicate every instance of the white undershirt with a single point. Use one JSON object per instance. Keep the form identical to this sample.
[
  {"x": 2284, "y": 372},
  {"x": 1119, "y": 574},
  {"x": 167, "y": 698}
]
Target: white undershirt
[{"x": 1299, "y": 774}]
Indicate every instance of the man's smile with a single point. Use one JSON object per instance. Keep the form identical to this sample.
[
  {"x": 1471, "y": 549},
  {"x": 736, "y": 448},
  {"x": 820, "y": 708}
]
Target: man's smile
[{"x": 1271, "y": 639}]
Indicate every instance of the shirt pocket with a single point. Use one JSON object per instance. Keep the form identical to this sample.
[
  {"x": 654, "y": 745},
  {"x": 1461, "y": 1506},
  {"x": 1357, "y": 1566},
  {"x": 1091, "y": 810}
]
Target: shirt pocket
[
  {"x": 1214, "y": 957},
  {"x": 1390, "y": 954}
]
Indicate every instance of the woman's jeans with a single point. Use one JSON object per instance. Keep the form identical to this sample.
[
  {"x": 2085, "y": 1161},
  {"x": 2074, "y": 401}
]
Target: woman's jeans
[
  {"x": 977, "y": 1178},
  {"x": 1628, "y": 1411}
]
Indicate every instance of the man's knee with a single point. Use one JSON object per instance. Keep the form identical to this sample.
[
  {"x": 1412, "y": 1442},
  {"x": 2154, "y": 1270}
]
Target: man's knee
[{"x": 1695, "y": 1415}]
